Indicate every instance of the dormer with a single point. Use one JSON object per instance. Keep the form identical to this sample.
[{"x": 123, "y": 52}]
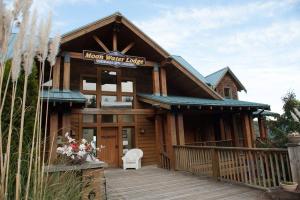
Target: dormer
[{"x": 225, "y": 83}]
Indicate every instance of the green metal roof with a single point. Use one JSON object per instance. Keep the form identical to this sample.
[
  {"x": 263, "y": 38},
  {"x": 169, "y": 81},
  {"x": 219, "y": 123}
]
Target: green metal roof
[
  {"x": 56, "y": 95},
  {"x": 214, "y": 78},
  {"x": 265, "y": 113},
  {"x": 192, "y": 101},
  {"x": 189, "y": 67}
]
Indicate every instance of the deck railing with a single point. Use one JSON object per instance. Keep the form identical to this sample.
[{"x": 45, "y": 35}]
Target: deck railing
[
  {"x": 220, "y": 143},
  {"x": 165, "y": 161},
  {"x": 257, "y": 167}
]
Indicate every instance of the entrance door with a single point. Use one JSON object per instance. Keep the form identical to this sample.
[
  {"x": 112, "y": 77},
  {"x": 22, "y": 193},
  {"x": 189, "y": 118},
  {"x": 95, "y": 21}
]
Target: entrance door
[{"x": 109, "y": 139}]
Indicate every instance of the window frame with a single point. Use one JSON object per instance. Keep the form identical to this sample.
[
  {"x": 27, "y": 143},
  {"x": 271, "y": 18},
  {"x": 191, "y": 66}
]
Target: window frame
[{"x": 230, "y": 92}]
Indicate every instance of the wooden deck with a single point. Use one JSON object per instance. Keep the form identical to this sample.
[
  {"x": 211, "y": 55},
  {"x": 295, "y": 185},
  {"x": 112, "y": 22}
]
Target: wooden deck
[{"x": 158, "y": 184}]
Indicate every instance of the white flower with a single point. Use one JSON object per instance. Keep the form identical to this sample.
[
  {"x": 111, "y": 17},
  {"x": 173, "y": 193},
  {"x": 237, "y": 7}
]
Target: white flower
[{"x": 84, "y": 141}]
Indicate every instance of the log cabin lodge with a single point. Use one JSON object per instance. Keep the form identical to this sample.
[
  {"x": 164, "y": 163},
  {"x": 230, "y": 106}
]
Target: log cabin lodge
[{"x": 114, "y": 85}]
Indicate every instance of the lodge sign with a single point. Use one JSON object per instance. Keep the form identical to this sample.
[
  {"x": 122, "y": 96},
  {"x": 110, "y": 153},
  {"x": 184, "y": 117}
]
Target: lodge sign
[{"x": 113, "y": 58}]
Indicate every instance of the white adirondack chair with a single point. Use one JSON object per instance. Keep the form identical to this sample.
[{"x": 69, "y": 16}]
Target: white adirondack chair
[{"x": 132, "y": 159}]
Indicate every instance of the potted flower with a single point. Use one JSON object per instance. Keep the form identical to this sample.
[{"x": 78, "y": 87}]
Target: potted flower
[
  {"x": 78, "y": 152},
  {"x": 289, "y": 186},
  {"x": 294, "y": 138}
]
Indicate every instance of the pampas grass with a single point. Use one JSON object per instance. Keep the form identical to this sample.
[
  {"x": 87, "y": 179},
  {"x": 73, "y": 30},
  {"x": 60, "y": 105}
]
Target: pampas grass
[{"x": 23, "y": 161}]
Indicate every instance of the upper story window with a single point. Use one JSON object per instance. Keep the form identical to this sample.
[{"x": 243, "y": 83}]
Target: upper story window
[
  {"x": 108, "y": 81},
  {"x": 127, "y": 86},
  {"x": 108, "y": 89},
  {"x": 89, "y": 83},
  {"x": 227, "y": 93}
]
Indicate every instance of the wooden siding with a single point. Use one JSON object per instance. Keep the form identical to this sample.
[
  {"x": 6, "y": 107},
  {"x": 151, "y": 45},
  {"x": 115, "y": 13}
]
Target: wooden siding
[
  {"x": 146, "y": 141},
  {"x": 75, "y": 125},
  {"x": 227, "y": 81}
]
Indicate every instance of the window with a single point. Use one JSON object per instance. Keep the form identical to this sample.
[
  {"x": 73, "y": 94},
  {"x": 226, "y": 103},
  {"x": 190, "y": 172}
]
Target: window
[
  {"x": 106, "y": 98},
  {"x": 128, "y": 99},
  {"x": 109, "y": 118},
  {"x": 127, "y": 118},
  {"x": 128, "y": 139},
  {"x": 89, "y": 83},
  {"x": 90, "y": 134},
  {"x": 108, "y": 81},
  {"x": 86, "y": 118},
  {"x": 127, "y": 86},
  {"x": 227, "y": 93},
  {"x": 91, "y": 100}
]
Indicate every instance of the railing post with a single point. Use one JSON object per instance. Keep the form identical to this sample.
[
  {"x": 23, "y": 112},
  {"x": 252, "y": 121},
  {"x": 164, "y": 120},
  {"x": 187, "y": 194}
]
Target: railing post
[
  {"x": 215, "y": 164},
  {"x": 294, "y": 157}
]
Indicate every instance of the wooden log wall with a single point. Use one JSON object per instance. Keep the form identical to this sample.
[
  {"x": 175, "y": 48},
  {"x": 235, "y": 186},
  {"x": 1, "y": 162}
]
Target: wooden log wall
[{"x": 146, "y": 138}]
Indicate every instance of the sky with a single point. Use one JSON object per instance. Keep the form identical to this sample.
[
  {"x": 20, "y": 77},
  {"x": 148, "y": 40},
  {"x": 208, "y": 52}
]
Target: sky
[{"x": 258, "y": 40}]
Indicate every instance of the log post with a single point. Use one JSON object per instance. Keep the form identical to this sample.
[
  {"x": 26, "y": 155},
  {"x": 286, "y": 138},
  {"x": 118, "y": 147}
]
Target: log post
[
  {"x": 66, "y": 83},
  {"x": 247, "y": 129},
  {"x": 180, "y": 129},
  {"x": 163, "y": 81},
  {"x": 236, "y": 139},
  {"x": 155, "y": 79},
  {"x": 294, "y": 157},
  {"x": 56, "y": 74},
  {"x": 261, "y": 127},
  {"x": 222, "y": 128},
  {"x": 158, "y": 137},
  {"x": 171, "y": 138},
  {"x": 215, "y": 164},
  {"x": 53, "y": 136}
]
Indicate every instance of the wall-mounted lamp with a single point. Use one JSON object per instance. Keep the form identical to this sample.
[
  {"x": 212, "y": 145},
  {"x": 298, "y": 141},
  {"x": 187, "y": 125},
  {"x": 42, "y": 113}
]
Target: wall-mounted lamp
[{"x": 142, "y": 131}]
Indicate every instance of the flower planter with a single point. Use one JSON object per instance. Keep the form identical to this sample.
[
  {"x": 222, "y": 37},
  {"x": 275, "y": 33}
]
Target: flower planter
[
  {"x": 92, "y": 178},
  {"x": 289, "y": 186}
]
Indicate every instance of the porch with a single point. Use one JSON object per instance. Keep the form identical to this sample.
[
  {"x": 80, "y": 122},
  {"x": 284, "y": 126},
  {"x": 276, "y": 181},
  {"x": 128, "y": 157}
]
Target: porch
[{"x": 155, "y": 183}]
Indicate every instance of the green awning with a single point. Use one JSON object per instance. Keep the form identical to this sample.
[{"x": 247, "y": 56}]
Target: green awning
[
  {"x": 192, "y": 101},
  {"x": 56, "y": 95}
]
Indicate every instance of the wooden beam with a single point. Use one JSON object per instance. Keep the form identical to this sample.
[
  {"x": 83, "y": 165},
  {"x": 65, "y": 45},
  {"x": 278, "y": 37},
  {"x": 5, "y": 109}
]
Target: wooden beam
[
  {"x": 53, "y": 136},
  {"x": 127, "y": 48},
  {"x": 115, "y": 41},
  {"x": 66, "y": 81},
  {"x": 262, "y": 133},
  {"x": 246, "y": 130},
  {"x": 162, "y": 105},
  {"x": 180, "y": 129},
  {"x": 98, "y": 111},
  {"x": 158, "y": 137},
  {"x": 163, "y": 82},
  {"x": 235, "y": 136},
  {"x": 82, "y": 31},
  {"x": 171, "y": 138},
  {"x": 252, "y": 131},
  {"x": 101, "y": 44},
  {"x": 66, "y": 123},
  {"x": 155, "y": 80},
  {"x": 56, "y": 74},
  {"x": 222, "y": 128}
]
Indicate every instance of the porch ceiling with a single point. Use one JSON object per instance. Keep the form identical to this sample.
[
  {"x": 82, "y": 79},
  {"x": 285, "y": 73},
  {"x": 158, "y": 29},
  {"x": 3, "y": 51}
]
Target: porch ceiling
[{"x": 168, "y": 101}]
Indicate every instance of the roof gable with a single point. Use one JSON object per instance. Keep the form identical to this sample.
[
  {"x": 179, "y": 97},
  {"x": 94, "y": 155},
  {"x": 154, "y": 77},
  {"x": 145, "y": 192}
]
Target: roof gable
[
  {"x": 215, "y": 78},
  {"x": 117, "y": 17}
]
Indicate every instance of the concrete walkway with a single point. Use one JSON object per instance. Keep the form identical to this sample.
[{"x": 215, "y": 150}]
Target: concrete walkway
[{"x": 158, "y": 184}]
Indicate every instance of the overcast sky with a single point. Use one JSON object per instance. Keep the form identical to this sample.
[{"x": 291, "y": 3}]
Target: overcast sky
[{"x": 258, "y": 40}]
